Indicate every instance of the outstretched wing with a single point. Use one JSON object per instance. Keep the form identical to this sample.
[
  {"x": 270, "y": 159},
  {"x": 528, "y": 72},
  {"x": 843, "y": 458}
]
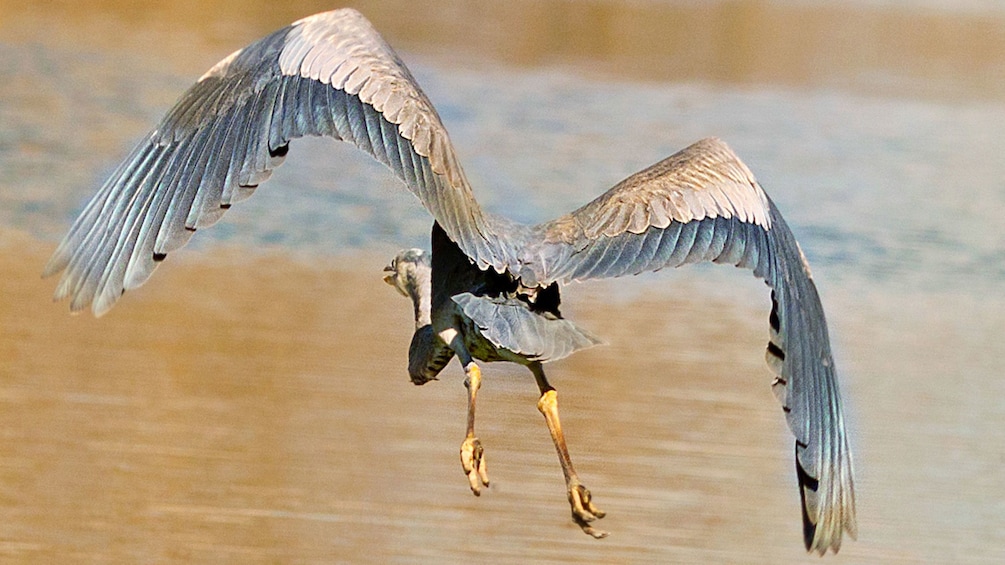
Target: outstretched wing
[
  {"x": 703, "y": 204},
  {"x": 330, "y": 74}
]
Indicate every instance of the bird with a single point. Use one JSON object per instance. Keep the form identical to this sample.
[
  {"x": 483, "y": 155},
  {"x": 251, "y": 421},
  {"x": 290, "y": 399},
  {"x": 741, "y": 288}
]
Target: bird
[{"x": 489, "y": 288}]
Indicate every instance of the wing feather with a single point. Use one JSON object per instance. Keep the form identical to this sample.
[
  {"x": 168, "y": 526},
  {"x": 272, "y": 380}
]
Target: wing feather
[
  {"x": 337, "y": 106},
  {"x": 111, "y": 279},
  {"x": 682, "y": 246},
  {"x": 650, "y": 246},
  {"x": 174, "y": 233},
  {"x": 209, "y": 189},
  {"x": 247, "y": 153},
  {"x": 703, "y": 204},
  {"x": 144, "y": 260},
  {"x": 593, "y": 262},
  {"x": 734, "y": 243},
  {"x": 329, "y": 74}
]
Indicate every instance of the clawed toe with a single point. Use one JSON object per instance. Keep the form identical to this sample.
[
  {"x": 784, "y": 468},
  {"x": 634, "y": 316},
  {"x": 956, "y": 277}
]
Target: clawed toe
[
  {"x": 584, "y": 511},
  {"x": 473, "y": 462}
]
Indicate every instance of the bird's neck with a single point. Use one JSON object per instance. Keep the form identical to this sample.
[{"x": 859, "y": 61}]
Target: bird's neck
[{"x": 421, "y": 294}]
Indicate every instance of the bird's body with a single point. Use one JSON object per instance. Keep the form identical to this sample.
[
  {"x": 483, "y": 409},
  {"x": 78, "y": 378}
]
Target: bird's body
[
  {"x": 490, "y": 288},
  {"x": 502, "y": 321}
]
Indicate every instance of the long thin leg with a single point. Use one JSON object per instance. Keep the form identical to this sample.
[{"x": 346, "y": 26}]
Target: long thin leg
[
  {"x": 580, "y": 499},
  {"x": 472, "y": 453}
]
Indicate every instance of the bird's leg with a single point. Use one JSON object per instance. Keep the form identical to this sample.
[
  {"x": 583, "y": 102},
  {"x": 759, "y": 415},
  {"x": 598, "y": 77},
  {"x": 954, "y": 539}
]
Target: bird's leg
[
  {"x": 580, "y": 499},
  {"x": 472, "y": 453}
]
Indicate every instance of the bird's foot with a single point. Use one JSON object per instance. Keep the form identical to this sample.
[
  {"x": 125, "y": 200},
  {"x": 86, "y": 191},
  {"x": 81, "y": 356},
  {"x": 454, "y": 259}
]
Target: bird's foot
[
  {"x": 473, "y": 462},
  {"x": 583, "y": 509}
]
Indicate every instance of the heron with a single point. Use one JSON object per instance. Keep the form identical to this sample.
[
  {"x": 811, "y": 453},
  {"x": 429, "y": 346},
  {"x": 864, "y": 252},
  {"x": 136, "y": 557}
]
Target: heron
[{"x": 489, "y": 288}]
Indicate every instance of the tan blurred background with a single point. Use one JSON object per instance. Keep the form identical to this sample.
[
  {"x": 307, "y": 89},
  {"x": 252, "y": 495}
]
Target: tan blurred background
[{"x": 251, "y": 405}]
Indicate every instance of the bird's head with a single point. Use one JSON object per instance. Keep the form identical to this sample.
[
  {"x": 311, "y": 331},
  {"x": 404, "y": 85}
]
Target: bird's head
[{"x": 407, "y": 271}]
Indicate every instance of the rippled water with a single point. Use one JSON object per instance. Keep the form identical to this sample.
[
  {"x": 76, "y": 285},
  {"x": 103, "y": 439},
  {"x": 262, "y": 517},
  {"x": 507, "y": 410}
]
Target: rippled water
[{"x": 250, "y": 404}]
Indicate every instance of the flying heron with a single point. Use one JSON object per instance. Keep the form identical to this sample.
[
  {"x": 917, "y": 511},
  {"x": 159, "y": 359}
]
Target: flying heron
[{"x": 490, "y": 287}]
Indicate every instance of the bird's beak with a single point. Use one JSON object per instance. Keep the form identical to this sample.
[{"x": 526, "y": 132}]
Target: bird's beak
[{"x": 389, "y": 275}]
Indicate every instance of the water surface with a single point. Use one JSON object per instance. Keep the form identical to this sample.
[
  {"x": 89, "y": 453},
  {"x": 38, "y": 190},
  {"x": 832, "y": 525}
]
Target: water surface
[{"x": 250, "y": 404}]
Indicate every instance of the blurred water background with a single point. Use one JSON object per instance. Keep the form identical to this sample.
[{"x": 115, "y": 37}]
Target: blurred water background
[{"x": 251, "y": 404}]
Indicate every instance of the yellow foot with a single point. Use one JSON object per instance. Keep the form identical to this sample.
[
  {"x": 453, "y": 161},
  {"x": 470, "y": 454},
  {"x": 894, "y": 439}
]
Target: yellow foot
[
  {"x": 473, "y": 462},
  {"x": 583, "y": 509}
]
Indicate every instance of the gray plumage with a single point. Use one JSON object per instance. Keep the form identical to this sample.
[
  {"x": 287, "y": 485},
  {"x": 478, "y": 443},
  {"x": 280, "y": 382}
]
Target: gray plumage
[
  {"x": 508, "y": 323},
  {"x": 496, "y": 281}
]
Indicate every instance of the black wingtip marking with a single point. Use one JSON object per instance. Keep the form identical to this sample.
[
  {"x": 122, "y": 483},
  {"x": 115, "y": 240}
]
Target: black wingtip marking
[
  {"x": 225, "y": 206},
  {"x": 776, "y": 324},
  {"x": 280, "y": 151},
  {"x": 158, "y": 257},
  {"x": 776, "y": 351},
  {"x": 806, "y": 482},
  {"x": 809, "y": 530}
]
